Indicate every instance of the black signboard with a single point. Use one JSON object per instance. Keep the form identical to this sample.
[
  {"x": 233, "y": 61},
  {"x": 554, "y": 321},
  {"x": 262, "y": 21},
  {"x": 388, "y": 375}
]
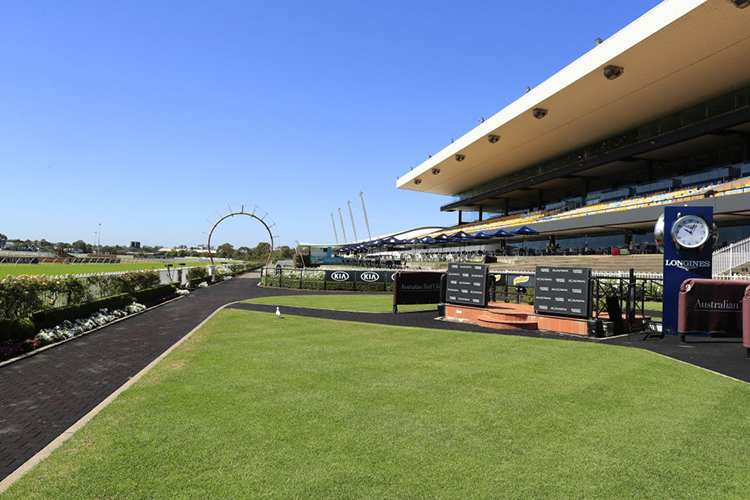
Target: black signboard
[
  {"x": 526, "y": 280},
  {"x": 360, "y": 276},
  {"x": 416, "y": 287},
  {"x": 563, "y": 291},
  {"x": 467, "y": 284}
]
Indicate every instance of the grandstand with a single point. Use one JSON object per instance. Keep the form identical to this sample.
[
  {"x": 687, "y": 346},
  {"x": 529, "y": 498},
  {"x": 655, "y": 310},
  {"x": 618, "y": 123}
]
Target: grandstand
[{"x": 657, "y": 115}]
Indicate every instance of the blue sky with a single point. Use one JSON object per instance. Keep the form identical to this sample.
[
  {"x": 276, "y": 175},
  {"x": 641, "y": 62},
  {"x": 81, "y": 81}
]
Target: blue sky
[{"x": 149, "y": 117}]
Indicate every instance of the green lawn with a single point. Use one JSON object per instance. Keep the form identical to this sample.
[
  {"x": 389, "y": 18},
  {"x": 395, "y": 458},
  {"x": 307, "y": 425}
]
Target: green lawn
[
  {"x": 253, "y": 406},
  {"x": 55, "y": 269},
  {"x": 359, "y": 302}
]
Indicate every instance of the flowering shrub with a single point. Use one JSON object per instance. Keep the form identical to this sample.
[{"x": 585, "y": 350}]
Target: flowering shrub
[
  {"x": 202, "y": 284},
  {"x": 67, "y": 330},
  {"x": 22, "y": 296},
  {"x": 182, "y": 292}
]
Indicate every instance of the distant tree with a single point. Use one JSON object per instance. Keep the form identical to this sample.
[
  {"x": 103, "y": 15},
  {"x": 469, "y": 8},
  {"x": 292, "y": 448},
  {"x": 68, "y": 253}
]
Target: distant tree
[
  {"x": 242, "y": 253},
  {"x": 79, "y": 245},
  {"x": 260, "y": 252},
  {"x": 225, "y": 251}
]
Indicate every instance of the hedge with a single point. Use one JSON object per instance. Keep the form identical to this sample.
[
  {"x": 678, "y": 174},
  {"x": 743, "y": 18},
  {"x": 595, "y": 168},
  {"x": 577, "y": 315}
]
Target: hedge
[
  {"x": 53, "y": 317},
  {"x": 16, "y": 329},
  {"x": 154, "y": 294}
]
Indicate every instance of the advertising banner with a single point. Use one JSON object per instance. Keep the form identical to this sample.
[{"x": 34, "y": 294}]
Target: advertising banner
[
  {"x": 416, "y": 287},
  {"x": 467, "y": 284},
  {"x": 711, "y": 306},
  {"x": 360, "y": 276},
  {"x": 563, "y": 291},
  {"x": 526, "y": 280}
]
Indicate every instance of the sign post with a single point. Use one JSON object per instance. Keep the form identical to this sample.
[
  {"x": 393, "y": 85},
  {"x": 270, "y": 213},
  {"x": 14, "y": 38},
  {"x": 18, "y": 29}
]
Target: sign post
[{"x": 688, "y": 246}]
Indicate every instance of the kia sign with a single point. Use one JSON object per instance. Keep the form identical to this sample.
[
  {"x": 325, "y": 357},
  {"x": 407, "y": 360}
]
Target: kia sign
[
  {"x": 360, "y": 276},
  {"x": 339, "y": 276},
  {"x": 562, "y": 291},
  {"x": 467, "y": 284}
]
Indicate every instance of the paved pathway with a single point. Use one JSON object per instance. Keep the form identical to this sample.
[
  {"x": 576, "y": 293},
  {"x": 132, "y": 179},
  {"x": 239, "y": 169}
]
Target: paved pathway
[{"x": 43, "y": 395}]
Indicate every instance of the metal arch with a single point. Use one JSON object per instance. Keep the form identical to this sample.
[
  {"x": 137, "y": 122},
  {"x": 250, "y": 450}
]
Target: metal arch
[{"x": 270, "y": 235}]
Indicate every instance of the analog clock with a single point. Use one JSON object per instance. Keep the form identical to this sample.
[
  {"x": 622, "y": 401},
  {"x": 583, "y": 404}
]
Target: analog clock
[{"x": 690, "y": 232}]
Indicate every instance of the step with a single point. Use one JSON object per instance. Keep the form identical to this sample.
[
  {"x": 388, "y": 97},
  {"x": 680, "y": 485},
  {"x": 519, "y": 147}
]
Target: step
[{"x": 490, "y": 321}]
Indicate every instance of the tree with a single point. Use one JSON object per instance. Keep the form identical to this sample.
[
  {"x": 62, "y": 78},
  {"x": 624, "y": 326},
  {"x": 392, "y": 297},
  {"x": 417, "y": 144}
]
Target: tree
[
  {"x": 242, "y": 253},
  {"x": 225, "y": 251},
  {"x": 260, "y": 252}
]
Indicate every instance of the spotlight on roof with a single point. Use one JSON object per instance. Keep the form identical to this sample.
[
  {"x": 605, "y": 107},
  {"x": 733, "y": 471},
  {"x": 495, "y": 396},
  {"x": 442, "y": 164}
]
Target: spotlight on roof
[
  {"x": 493, "y": 138},
  {"x": 611, "y": 72},
  {"x": 740, "y": 4},
  {"x": 598, "y": 41},
  {"x": 417, "y": 181},
  {"x": 435, "y": 171},
  {"x": 539, "y": 113},
  {"x": 460, "y": 157}
]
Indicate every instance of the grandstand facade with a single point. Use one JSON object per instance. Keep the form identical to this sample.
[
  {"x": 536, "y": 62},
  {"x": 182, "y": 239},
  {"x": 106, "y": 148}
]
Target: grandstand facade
[{"x": 658, "y": 114}]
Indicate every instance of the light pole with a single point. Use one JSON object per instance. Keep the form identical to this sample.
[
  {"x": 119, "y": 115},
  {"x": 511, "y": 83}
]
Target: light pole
[{"x": 99, "y": 241}]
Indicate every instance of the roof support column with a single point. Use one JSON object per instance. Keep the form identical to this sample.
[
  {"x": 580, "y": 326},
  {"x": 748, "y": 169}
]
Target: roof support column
[
  {"x": 481, "y": 213},
  {"x": 460, "y": 213}
]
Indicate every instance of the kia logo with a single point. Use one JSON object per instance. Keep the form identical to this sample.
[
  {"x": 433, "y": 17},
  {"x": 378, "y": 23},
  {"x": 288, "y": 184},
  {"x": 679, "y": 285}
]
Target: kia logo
[
  {"x": 339, "y": 276},
  {"x": 369, "y": 277}
]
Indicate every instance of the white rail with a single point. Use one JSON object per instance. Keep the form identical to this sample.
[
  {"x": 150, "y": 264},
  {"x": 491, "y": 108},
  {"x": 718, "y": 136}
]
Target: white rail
[{"x": 728, "y": 258}]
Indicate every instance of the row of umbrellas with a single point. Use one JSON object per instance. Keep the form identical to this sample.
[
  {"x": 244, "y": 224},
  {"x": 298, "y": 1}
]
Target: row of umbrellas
[{"x": 458, "y": 237}]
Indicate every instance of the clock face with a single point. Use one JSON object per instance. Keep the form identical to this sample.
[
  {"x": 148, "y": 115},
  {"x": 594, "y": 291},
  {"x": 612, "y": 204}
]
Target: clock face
[{"x": 690, "y": 232}]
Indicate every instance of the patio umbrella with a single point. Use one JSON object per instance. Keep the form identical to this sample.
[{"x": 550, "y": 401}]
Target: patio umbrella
[
  {"x": 428, "y": 240},
  {"x": 481, "y": 235},
  {"x": 524, "y": 231},
  {"x": 500, "y": 233},
  {"x": 463, "y": 235}
]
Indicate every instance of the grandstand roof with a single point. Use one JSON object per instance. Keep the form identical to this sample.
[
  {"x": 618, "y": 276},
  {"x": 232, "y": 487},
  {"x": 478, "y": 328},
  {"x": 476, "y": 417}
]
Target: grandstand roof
[{"x": 681, "y": 53}]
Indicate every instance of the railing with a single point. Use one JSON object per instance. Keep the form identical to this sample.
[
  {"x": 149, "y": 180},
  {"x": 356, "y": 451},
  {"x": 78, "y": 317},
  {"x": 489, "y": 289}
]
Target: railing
[{"x": 728, "y": 258}]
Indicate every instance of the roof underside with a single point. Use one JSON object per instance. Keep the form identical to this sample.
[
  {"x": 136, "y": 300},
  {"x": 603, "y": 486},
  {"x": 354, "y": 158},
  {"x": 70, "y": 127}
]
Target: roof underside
[{"x": 681, "y": 53}]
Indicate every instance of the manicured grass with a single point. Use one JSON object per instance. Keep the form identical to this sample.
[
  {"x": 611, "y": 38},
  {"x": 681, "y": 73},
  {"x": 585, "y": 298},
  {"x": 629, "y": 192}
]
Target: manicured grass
[
  {"x": 341, "y": 302},
  {"x": 253, "y": 406},
  {"x": 61, "y": 269}
]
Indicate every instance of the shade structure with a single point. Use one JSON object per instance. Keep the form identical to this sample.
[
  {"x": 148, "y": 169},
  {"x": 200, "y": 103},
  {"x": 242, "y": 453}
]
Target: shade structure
[
  {"x": 481, "y": 235},
  {"x": 374, "y": 243},
  {"x": 427, "y": 240},
  {"x": 389, "y": 242},
  {"x": 463, "y": 236},
  {"x": 500, "y": 233},
  {"x": 523, "y": 231},
  {"x": 444, "y": 238},
  {"x": 413, "y": 241}
]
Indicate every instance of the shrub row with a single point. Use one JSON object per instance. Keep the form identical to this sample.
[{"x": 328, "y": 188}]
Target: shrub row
[
  {"x": 151, "y": 296},
  {"x": 53, "y": 317},
  {"x": 20, "y": 329}
]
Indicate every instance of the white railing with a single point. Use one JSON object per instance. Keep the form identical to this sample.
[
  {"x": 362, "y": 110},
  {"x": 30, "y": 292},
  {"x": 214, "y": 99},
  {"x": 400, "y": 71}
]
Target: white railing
[{"x": 730, "y": 257}]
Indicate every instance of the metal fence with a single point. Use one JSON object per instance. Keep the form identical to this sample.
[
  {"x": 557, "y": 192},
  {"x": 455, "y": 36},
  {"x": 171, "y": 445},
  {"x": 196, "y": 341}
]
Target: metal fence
[{"x": 726, "y": 259}]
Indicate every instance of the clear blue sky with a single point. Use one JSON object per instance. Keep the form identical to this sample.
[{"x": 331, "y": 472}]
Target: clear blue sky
[{"x": 150, "y": 116}]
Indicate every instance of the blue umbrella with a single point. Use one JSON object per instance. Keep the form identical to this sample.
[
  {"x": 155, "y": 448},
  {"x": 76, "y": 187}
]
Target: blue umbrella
[
  {"x": 481, "y": 235},
  {"x": 444, "y": 238},
  {"x": 500, "y": 233},
  {"x": 523, "y": 231},
  {"x": 428, "y": 240},
  {"x": 463, "y": 235}
]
